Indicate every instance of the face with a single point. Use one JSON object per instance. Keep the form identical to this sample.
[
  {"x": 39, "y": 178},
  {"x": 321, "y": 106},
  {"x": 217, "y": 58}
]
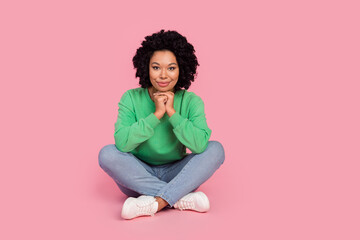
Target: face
[{"x": 163, "y": 71}]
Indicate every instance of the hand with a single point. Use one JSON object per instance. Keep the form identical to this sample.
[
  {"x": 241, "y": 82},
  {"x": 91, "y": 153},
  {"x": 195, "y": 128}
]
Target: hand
[
  {"x": 160, "y": 107},
  {"x": 169, "y": 104}
]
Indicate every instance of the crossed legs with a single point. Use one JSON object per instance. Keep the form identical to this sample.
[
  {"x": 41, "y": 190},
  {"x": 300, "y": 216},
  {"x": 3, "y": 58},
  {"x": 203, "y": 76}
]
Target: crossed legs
[{"x": 167, "y": 183}]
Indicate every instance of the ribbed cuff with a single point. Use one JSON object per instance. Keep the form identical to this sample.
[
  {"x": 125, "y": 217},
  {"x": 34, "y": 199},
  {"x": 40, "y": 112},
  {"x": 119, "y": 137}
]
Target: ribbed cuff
[
  {"x": 152, "y": 120},
  {"x": 176, "y": 119}
]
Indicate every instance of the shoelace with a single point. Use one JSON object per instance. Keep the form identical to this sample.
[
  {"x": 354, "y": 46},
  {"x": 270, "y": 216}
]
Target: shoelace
[
  {"x": 186, "y": 203},
  {"x": 145, "y": 207}
]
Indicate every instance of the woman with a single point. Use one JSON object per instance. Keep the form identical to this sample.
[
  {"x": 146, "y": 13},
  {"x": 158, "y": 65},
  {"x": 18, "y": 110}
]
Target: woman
[{"x": 155, "y": 124}]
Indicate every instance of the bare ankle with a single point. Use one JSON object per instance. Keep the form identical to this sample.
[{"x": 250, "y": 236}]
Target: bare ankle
[{"x": 161, "y": 203}]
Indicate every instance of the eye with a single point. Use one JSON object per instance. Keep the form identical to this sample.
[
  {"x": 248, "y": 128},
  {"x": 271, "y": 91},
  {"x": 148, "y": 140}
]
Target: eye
[
  {"x": 155, "y": 67},
  {"x": 173, "y": 68}
]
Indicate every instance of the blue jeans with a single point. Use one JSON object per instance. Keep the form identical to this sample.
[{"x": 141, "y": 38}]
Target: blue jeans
[{"x": 169, "y": 181}]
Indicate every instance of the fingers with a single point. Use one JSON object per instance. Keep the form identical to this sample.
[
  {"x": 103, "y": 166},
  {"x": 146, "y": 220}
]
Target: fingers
[
  {"x": 167, "y": 94},
  {"x": 161, "y": 98}
]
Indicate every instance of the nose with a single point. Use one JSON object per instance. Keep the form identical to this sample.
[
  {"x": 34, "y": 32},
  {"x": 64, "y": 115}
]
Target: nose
[{"x": 163, "y": 73}]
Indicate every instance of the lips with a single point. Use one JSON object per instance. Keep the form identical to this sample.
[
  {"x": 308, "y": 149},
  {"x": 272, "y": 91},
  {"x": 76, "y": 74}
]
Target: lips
[{"x": 164, "y": 84}]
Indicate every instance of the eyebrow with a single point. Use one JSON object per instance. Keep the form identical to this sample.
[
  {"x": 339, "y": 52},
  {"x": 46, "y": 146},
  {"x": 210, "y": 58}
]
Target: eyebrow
[{"x": 159, "y": 64}]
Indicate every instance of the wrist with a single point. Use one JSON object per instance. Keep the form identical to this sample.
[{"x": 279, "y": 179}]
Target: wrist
[
  {"x": 171, "y": 112},
  {"x": 159, "y": 115}
]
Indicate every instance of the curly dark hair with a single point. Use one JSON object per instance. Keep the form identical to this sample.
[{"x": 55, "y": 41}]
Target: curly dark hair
[{"x": 174, "y": 42}]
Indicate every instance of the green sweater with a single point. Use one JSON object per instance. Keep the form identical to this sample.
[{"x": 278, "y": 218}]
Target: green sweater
[{"x": 154, "y": 141}]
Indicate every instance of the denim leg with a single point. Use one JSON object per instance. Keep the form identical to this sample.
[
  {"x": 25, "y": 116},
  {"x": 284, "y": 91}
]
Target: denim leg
[
  {"x": 129, "y": 172},
  {"x": 190, "y": 172},
  {"x": 128, "y": 192}
]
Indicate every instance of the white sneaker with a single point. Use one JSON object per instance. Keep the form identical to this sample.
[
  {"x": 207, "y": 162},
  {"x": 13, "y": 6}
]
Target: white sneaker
[
  {"x": 135, "y": 207},
  {"x": 196, "y": 201}
]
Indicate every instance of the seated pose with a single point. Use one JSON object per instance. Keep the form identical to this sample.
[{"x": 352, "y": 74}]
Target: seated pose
[{"x": 156, "y": 123}]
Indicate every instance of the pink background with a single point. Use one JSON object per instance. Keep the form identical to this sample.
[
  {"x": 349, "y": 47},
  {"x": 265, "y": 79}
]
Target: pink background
[{"x": 280, "y": 82}]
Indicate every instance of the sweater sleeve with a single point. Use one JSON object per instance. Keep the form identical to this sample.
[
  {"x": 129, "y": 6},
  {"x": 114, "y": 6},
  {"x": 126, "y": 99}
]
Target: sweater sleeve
[
  {"x": 193, "y": 132},
  {"x": 130, "y": 133}
]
